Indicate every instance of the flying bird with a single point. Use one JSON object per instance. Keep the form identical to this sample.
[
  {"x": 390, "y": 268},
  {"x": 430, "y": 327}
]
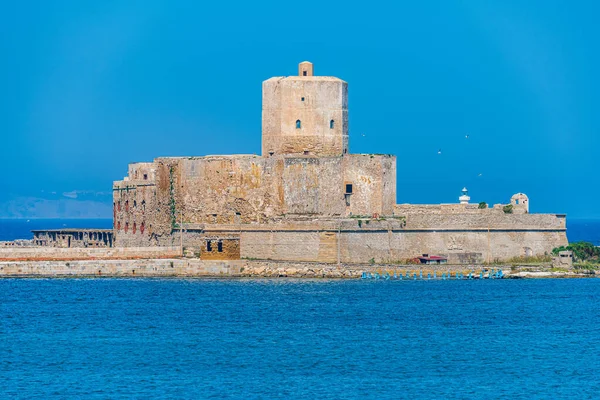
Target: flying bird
[
  {"x": 466, "y": 136},
  {"x": 440, "y": 151}
]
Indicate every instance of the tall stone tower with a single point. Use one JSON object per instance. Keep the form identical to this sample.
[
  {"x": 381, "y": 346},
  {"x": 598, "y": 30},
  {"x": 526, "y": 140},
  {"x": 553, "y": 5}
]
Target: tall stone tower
[{"x": 305, "y": 115}]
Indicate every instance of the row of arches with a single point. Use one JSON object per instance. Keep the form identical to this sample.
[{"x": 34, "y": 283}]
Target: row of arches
[{"x": 299, "y": 124}]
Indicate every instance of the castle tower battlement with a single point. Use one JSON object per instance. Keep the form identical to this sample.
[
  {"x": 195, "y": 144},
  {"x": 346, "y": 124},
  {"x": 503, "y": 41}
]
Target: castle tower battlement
[{"x": 305, "y": 115}]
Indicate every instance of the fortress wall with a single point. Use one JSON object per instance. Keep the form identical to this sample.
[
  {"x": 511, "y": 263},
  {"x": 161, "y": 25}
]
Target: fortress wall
[
  {"x": 484, "y": 221},
  {"x": 459, "y": 247},
  {"x": 468, "y": 238},
  {"x": 397, "y": 246},
  {"x": 374, "y": 183},
  {"x": 82, "y": 253},
  {"x": 313, "y": 186},
  {"x": 406, "y": 209},
  {"x": 247, "y": 190},
  {"x": 129, "y": 268},
  {"x": 281, "y": 245},
  {"x": 134, "y": 206},
  {"x": 226, "y": 190}
]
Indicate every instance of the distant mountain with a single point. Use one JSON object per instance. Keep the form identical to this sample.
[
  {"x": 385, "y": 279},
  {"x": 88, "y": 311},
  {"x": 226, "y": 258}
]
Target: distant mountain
[{"x": 65, "y": 207}]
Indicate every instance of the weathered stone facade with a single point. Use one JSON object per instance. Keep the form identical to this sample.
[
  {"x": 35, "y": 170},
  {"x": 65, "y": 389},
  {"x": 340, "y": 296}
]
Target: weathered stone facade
[{"x": 307, "y": 199}]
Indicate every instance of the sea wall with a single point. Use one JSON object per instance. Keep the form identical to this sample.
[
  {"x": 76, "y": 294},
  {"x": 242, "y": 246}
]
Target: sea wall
[
  {"x": 211, "y": 268},
  {"x": 54, "y": 253}
]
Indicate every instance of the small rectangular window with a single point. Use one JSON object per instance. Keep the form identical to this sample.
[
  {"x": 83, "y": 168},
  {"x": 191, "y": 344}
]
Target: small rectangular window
[
  {"x": 145, "y": 177},
  {"x": 220, "y": 246},
  {"x": 304, "y": 73},
  {"x": 348, "y": 188},
  {"x": 208, "y": 245}
]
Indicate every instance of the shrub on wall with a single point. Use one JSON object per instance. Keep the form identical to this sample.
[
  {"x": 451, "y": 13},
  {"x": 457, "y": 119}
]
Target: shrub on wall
[
  {"x": 508, "y": 209},
  {"x": 482, "y": 205}
]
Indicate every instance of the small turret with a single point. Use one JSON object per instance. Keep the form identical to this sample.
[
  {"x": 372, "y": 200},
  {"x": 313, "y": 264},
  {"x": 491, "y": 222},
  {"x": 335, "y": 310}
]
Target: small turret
[{"x": 520, "y": 200}]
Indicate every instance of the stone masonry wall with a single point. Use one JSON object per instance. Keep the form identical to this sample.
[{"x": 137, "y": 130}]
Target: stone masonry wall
[
  {"x": 248, "y": 190},
  {"x": 462, "y": 238},
  {"x": 55, "y": 253}
]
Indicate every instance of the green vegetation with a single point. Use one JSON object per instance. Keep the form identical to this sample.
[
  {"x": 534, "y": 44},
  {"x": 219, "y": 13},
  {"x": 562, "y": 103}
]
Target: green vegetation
[
  {"x": 482, "y": 205},
  {"x": 582, "y": 252},
  {"x": 372, "y": 261},
  {"x": 508, "y": 209},
  {"x": 525, "y": 260},
  {"x": 586, "y": 266}
]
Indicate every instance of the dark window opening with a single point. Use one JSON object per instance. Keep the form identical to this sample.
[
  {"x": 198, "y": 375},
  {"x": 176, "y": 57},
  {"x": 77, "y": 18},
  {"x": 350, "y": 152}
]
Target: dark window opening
[
  {"x": 126, "y": 227},
  {"x": 220, "y": 246},
  {"x": 331, "y": 124},
  {"x": 303, "y": 99},
  {"x": 348, "y": 188},
  {"x": 208, "y": 245},
  {"x": 298, "y": 124},
  {"x": 305, "y": 152},
  {"x": 303, "y": 73},
  {"x": 145, "y": 177},
  {"x": 134, "y": 203},
  {"x": 127, "y": 205}
]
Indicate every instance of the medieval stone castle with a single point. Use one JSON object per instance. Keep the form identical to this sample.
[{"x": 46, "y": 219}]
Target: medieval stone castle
[{"x": 306, "y": 198}]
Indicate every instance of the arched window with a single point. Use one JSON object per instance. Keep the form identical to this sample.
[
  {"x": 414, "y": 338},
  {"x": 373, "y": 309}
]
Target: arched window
[
  {"x": 126, "y": 227},
  {"x": 331, "y": 124},
  {"x": 142, "y": 226},
  {"x": 135, "y": 204},
  {"x": 119, "y": 225},
  {"x": 134, "y": 227},
  {"x": 298, "y": 124},
  {"x": 126, "y": 205}
]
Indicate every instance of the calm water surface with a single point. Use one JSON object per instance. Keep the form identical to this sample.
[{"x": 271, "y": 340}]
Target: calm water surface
[{"x": 257, "y": 339}]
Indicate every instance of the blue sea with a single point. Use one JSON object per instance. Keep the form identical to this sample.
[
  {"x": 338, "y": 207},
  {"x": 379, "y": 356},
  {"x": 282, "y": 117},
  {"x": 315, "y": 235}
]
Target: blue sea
[{"x": 299, "y": 339}]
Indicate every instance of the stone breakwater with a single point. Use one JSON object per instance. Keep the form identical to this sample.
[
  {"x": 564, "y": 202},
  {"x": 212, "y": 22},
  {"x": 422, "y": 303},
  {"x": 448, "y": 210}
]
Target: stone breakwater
[{"x": 247, "y": 268}]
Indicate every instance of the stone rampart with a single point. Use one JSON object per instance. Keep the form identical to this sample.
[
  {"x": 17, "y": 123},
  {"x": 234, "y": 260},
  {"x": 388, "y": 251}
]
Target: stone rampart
[
  {"x": 53, "y": 253},
  {"x": 203, "y": 268},
  {"x": 463, "y": 238}
]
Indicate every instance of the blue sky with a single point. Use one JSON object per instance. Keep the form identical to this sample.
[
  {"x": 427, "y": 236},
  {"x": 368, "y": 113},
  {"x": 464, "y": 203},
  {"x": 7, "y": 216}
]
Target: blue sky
[{"x": 88, "y": 87}]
